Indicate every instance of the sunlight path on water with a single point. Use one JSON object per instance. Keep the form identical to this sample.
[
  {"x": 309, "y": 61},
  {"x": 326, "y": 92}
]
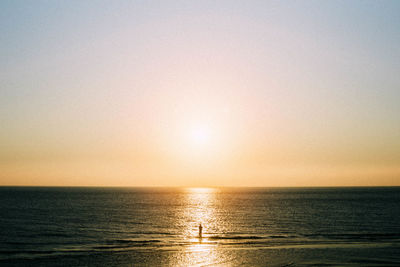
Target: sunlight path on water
[{"x": 200, "y": 208}]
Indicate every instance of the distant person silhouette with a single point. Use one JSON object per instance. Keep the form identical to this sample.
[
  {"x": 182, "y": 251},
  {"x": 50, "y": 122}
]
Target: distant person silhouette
[{"x": 200, "y": 231}]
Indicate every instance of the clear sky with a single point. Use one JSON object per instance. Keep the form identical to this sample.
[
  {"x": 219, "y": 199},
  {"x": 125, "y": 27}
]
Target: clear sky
[{"x": 200, "y": 93}]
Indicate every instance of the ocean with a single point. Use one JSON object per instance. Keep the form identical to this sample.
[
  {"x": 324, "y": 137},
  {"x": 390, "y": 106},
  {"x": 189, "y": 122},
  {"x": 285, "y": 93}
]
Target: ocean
[{"x": 60, "y": 226}]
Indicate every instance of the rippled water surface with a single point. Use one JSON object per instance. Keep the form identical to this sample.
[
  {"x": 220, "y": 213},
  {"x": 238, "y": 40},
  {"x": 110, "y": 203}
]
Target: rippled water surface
[{"x": 254, "y": 227}]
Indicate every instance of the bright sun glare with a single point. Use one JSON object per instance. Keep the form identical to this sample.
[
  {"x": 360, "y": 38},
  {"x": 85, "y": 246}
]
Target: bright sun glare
[
  {"x": 201, "y": 142},
  {"x": 200, "y": 135}
]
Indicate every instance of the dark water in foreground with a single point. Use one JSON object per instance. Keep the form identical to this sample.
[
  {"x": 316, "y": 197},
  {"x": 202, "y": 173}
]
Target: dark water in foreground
[{"x": 157, "y": 227}]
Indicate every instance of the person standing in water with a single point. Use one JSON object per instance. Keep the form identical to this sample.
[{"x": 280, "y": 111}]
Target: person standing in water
[{"x": 200, "y": 231}]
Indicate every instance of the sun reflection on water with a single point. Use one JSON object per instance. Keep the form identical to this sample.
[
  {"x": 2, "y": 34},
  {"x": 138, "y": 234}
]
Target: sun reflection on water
[{"x": 199, "y": 209}]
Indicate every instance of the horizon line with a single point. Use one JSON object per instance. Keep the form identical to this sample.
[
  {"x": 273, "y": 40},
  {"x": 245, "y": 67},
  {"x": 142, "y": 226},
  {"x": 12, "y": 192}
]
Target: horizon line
[{"x": 260, "y": 187}]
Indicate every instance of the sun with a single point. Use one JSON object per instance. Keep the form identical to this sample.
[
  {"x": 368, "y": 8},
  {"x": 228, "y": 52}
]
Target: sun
[
  {"x": 198, "y": 141},
  {"x": 200, "y": 135}
]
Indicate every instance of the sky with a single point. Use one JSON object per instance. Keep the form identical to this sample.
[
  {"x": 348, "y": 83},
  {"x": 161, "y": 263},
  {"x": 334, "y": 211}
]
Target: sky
[{"x": 200, "y": 93}]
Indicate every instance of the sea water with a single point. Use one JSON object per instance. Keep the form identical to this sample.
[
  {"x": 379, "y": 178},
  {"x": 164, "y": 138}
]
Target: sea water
[{"x": 56, "y": 226}]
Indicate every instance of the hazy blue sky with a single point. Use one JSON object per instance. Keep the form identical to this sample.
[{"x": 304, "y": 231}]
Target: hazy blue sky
[{"x": 200, "y": 92}]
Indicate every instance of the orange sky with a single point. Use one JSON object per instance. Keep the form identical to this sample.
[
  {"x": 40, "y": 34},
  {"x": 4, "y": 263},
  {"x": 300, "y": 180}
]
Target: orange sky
[{"x": 260, "y": 93}]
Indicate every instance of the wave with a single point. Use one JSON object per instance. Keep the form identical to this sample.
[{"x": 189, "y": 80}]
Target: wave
[
  {"x": 245, "y": 237},
  {"x": 83, "y": 247},
  {"x": 124, "y": 243},
  {"x": 52, "y": 235},
  {"x": 234, "y": 237},
  {"x": 356, "y": 236}
]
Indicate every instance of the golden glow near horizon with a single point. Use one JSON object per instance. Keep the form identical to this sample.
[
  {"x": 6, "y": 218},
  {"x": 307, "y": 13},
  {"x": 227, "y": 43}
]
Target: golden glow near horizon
[{"x": 200, "y": 94}]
